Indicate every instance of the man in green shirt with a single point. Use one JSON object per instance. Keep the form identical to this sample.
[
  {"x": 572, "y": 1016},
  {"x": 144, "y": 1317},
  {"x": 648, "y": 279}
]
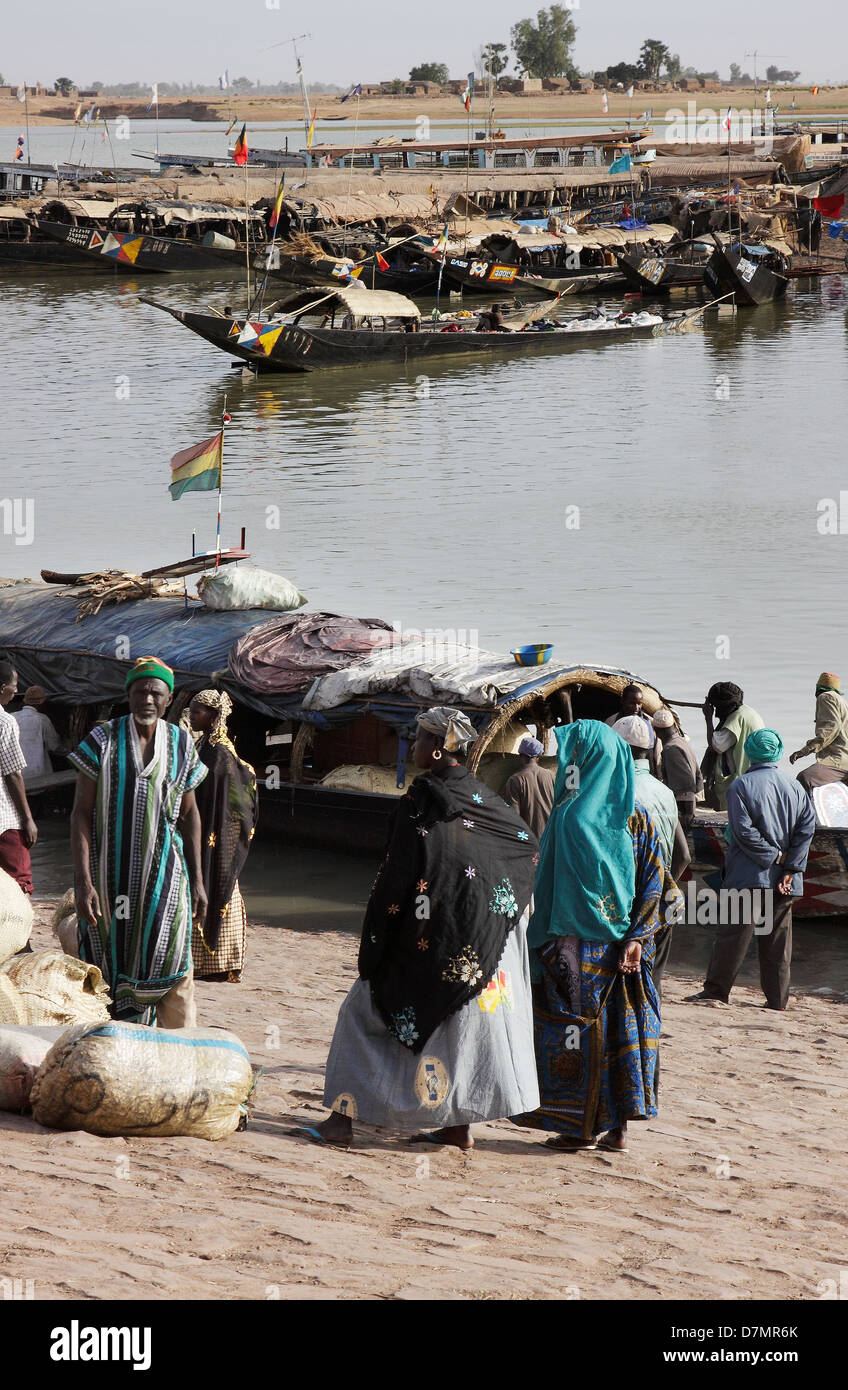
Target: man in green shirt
[
  {"x": 725, "y": 758},
  {"x": 830, "y": 741}
]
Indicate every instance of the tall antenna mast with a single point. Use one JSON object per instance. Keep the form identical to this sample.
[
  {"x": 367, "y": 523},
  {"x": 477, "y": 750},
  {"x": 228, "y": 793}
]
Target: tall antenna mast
[{"x": 304, "y": 95}]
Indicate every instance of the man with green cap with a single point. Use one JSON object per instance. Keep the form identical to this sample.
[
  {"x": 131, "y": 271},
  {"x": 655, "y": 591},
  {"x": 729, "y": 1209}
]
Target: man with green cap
[
  {"x": 770, "y": 828},
  {"x": 135, "y": 835},
  {"x": 830, "y": 742}
]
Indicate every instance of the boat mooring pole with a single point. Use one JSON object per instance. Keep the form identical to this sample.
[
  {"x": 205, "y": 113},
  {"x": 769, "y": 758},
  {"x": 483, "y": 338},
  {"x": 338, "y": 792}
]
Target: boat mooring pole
[{"x": 225, "y": 420}]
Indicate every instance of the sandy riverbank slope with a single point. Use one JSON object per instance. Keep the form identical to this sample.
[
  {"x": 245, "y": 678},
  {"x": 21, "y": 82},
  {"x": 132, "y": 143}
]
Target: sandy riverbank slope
[
  {"x": 738, "y": 1190},
  {"x": 545, "y": 108}
]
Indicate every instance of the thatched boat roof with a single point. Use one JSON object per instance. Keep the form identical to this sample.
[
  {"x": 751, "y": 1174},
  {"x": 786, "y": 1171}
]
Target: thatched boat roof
[{"x": 356, "y": 298}]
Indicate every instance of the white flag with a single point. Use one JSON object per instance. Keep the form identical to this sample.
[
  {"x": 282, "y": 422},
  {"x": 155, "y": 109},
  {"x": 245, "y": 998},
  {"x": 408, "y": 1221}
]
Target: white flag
[
  {"x": 605, "y": 102},
  {"x": 768, "y": 96},
  {"x": 21, "y": 92},
  {"x": 224, "y": 80},
  {"x": 629, "y": 93},
  {"x": 89, "y": 115}
]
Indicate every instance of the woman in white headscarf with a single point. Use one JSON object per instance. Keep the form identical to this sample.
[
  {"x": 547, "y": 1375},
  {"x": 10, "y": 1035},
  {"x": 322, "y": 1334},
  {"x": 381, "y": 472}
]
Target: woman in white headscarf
[{"x": 438, "y": 1029}]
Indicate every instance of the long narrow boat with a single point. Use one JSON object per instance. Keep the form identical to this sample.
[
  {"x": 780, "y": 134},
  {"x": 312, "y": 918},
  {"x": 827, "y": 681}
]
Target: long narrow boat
[
  {"x": 132, "y": 250},
  {"x": 300, "y": 332},
  {"x": 753, "y": 273}
]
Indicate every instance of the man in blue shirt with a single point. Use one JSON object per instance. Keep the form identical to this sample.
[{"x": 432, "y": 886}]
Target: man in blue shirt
[{"x": 771, "y": 824}]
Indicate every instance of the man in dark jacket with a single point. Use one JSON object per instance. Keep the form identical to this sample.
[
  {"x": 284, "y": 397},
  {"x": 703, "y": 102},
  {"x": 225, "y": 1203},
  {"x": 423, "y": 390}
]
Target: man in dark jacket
[{"x": 771, "y": 825}]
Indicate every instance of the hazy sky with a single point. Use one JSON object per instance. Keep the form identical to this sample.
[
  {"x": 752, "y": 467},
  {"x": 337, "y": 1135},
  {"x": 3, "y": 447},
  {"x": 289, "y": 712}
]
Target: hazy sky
[{"x": 194, "y": 40}]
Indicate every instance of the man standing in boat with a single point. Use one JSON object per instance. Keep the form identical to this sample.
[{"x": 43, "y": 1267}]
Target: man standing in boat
[
  {"x": 630, "y": 705},
  {"x": 771, "y": 825},
  {"x": 830, "y": 741},
  {"x": 725, "y": 758},
  {"x": 680, "y": 769}
]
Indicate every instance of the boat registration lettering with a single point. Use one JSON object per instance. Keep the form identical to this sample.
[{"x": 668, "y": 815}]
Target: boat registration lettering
[
  {"x": 651, "y": 269},
  {"x": 746, "y": 269},
  {"x": 162, "y": 248},
  {"x": 462, "y": 264},
  {"x": 81, "y": 236},
  {"x": 504, "y": 273}
]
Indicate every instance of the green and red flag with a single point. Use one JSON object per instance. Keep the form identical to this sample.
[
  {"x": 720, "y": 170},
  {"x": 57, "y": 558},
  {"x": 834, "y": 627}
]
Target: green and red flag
[{"x": 240, "y": 152}]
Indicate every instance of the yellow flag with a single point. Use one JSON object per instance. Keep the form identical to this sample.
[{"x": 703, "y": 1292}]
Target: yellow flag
[{"x": 311, "y": 130}]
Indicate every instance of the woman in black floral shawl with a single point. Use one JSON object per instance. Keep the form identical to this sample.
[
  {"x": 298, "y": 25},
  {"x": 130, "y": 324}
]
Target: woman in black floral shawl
[{"x": 438, "y": 1028}]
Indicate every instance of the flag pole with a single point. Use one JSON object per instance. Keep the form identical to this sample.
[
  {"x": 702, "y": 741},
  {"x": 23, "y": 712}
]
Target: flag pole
[
  {"x": 350, "y": 175},
  {"x": 157, "y": 120},
  {"x": 246, "y": 232},
  {"x": 225, "y": 418},
  {"x": 26, "y": 114}
]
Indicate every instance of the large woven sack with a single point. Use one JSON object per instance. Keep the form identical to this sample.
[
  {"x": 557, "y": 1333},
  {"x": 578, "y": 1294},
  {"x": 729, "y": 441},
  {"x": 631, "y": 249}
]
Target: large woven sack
[
  {"x": 22, "y": 1050},
  {"x": 123, "y": 1078},
  {"x": 234, "y": 588},
  {"x": 12, "y": 1009},
  {"x": 54, "y": 988},
  {"x": 16, "y": 916}
]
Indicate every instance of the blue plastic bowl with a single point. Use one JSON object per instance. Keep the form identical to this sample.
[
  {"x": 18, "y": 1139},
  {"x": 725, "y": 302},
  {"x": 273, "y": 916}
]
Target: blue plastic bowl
[{"x": 535, "y": 655}]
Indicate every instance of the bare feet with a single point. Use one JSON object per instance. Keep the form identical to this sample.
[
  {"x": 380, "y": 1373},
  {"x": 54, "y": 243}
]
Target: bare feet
[
  {"x": 615, "y": 1140},
  {"x": 457, "y": 1136}
]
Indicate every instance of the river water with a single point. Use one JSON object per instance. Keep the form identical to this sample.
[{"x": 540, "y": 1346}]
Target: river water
[{"x": 699, "y": 466}]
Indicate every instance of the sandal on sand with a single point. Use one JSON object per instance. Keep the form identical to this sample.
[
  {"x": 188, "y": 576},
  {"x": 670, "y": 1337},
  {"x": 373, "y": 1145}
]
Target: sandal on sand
[
  {"x": 433, "y": 1137},
  {"x": 532, "y": 1119},
  {"x": 706, "y": 999},
  {"x": 316, "y": 1137},
  {"x": 569, "y": 1146},
  {"x": 613, "y": 1148}
]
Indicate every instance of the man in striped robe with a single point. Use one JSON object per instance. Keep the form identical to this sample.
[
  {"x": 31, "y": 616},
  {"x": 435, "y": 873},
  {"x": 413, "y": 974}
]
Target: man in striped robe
[{"x": 135, "y": 834}]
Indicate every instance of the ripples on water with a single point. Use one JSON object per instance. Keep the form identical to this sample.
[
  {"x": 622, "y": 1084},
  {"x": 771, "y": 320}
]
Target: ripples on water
[{"x": 443, "y": 502}]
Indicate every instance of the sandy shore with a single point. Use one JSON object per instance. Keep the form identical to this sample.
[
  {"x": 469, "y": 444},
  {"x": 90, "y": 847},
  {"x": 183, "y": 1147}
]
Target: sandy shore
[
  {"x": 737, "y": 1190},
  {"x": 546, "y": 108}
]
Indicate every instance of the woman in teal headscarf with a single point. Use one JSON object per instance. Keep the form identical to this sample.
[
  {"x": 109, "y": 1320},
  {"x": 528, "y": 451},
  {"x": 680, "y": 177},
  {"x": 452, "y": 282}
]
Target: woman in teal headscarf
[{"x": 597, "y": 898}]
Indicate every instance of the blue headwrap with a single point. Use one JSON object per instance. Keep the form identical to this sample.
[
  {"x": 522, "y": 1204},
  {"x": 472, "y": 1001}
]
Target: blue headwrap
[
  {"x": 764, "y": 746},
  {"x": 531, "y": 748},
  {"x": 586, "y": 879}
]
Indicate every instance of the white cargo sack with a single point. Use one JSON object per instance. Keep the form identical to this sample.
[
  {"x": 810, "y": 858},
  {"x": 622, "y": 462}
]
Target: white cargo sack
[
  {"x": 50, "y": 987},
  {"x": 234, "y": 588},
  {"x": 22, "y": 1050},
  {"x": 16, "y": 916},
  {"x": 123, "y": 1078}
]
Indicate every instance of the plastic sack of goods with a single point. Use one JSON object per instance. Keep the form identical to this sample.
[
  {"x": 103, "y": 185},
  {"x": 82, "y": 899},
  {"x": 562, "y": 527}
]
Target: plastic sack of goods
[
  {"x": 235, "y": 588},
  {"x": 16, "y": 917},
  {"x": 48, "y": 987},
  {"x": 22, "y": 1050},
  {"x": 123, "y": 1078}
]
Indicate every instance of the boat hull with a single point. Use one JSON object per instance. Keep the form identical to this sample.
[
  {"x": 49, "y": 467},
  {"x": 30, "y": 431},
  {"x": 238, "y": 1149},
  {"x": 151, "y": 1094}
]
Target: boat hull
[
  {"x": 130, "y": 253},
  {"x": 273, "y": 347},
  {"x": 732, "y": 272},
  {"x": 657, "y": 275}
]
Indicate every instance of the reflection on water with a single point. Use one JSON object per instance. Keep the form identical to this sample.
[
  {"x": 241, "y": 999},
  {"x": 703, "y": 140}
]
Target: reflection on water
[{"x": 439, "y": 499}]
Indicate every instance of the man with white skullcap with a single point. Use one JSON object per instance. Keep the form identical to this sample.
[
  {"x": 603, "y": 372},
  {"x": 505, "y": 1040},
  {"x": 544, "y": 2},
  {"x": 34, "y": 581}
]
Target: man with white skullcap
[
  {"x": 658, "y": 800},
  {"x": 530, "y": 790},
  {"x": 680, "y": 770}
]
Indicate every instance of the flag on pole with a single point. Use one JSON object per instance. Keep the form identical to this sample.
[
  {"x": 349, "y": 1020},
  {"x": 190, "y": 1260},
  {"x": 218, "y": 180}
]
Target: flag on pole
[
  {"x": 240, "y": 152},
  {"x": 629, "y": 93},
  {"x": 310, "y": 134},
  {"x": 605, "y": 103},
  {"x": 89, "y": 115},
  {"x": 620, "y": 165},
  {"x": 224, "y": 80},
  {"x": 199, "y": 468},
  {"x": 468, "y": 93},
  {"x": 154, "y": 97},
  {"x": 814, "y": 92},
  {"x": 278, "y": 204},
  {"x": 21, "y": 92},
  {"x": 382, "y": 263},
  {"x": 354, "y": 92},
  {"x": 442, "y": 243},
  {"x": 231, "y": 127},
  {"x": 768, "y": 96},
  {"x": 726, "y": 121},
  {"x": 77, "y": 112},
  {"x": 19, "y": 151}
]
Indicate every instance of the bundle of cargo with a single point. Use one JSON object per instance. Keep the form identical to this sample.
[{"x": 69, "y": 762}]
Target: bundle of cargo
[
  {"x": 16, "y": 917},
  {"x": 48, "y": 987},
  {"x": 125, "y": 1079}
]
